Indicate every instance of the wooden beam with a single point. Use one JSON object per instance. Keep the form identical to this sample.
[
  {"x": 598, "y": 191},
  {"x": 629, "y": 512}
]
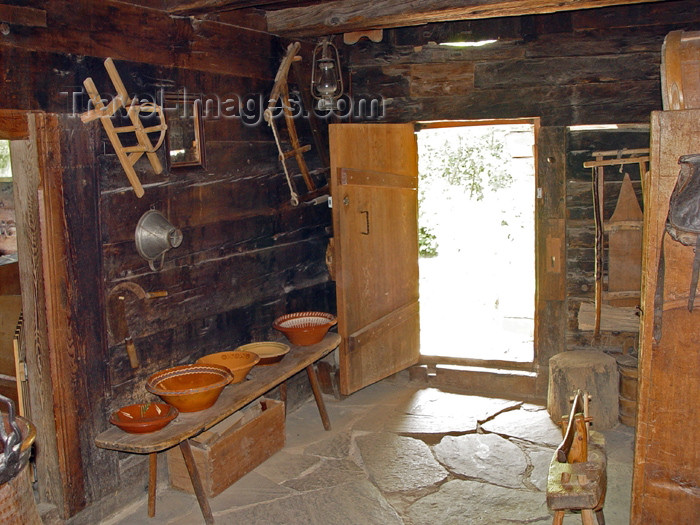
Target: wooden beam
[
  {"x": 191, "y": 7},
  {"x": 343, "y": 16},
  {"x": 22, "y": 16}
]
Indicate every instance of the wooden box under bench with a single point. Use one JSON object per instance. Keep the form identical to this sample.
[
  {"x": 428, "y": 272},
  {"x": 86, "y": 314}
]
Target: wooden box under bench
[{"x": 232, "y": 448}]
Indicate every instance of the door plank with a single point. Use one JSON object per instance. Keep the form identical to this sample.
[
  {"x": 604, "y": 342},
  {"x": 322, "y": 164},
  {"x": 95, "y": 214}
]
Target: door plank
[{"x": 374, "y": 188}]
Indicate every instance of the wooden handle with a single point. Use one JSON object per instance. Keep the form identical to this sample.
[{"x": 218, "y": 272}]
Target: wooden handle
[
  {"x": 131, "y": 350},
  {"x": 568, "y": 450}
]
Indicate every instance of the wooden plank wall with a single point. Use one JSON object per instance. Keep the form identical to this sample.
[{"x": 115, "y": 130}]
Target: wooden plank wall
[
  {"x": 590, "y": 67},
  {"x": 247, "y": 255},
  {"x": 583, "y": 67}
]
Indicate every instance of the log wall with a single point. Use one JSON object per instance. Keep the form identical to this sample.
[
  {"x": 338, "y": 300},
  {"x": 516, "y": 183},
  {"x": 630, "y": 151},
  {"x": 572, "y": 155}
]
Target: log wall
[
  {"x": 583, "y": 67},
  {"x": 589, "y": 67},
  {"x": 247, "y": 255}
]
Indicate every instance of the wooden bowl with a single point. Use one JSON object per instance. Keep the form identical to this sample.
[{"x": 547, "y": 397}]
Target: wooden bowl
[
  {"x": 270, "y": 352},
  {"x": 190, "y": 388},
  {"x": 305, "y": 328},
  {"x": 238, "y": 363},
  {"x": 143, "y": 418}
]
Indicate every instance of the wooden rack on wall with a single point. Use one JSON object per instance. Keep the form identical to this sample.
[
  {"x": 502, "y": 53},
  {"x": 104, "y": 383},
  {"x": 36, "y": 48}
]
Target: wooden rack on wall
[{"x": 624, "y": 229}]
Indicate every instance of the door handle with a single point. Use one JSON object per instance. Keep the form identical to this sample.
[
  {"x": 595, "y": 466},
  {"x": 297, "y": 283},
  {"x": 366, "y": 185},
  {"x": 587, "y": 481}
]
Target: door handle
[{"x": 366, "y": 214}]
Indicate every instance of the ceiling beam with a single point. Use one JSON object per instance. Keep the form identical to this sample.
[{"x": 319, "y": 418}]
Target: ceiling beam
[
  {"x": 191, "y": 7},
  {"x": 344, "y": 16}
]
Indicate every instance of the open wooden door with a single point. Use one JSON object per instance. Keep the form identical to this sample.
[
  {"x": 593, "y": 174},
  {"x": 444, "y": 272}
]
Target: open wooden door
[{"x": 374, "y": 180}]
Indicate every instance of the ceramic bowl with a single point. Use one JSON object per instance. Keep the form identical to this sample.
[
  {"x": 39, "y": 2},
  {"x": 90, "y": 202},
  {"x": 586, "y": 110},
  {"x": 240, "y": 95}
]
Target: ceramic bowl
[
  {"x": 270, "y": 352},
  {"x": 305, "y": 328},
  {"x": 238, "y": 363},
  {"x": 143, "y": 418},
  {"x": 190, "y": 388}
]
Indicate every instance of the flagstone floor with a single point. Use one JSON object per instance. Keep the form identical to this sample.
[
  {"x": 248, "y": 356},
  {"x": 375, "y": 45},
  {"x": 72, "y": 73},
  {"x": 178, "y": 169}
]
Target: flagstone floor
[{"x": 402, "y": 453}]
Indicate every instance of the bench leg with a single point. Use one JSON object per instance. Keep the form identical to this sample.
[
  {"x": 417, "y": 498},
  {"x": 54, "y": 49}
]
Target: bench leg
[
  {"x": 587, "y": 517},
  {"x": 152, "y": 480},
  {"x": 196, "y": 482},
  {"x": 558, "y": 517},
  {"x": 313, "y": 379},
  {"x": 600, "y": 517}
]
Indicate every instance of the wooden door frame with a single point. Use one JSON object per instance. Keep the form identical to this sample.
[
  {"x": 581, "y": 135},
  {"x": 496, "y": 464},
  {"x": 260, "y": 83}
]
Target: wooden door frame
[
  {"x": 492, "y": 363},
  {"x": 44, "y": 282},
  {"x": 530, "y": 380}
]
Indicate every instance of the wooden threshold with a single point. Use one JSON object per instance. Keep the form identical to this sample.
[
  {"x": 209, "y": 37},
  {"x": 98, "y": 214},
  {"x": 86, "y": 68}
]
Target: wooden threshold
[{"x": 478, "y": 363}]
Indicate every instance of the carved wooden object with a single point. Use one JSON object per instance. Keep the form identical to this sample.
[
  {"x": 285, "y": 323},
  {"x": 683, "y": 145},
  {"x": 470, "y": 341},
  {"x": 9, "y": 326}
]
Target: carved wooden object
[{"x": 128, "y": 155}]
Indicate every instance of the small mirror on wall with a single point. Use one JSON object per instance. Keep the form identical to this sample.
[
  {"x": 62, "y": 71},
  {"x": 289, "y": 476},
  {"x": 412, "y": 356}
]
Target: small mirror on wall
[{"x": 183, "y": 114}]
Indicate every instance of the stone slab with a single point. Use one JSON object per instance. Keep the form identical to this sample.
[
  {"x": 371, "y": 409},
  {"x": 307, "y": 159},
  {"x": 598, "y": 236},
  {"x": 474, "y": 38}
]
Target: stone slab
[
  {"x": 398, "y": 463},
  {"x": 487, "y": 457},
  {"x": 527, "y": 425},
  {"x": 460, "y": 502}
]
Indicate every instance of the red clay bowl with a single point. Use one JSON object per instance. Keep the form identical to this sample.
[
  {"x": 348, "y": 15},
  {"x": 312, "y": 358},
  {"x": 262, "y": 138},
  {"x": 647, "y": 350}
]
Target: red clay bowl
[
  {"x": 305, "y": 328},
  {"x": 238, "y": 363},
  {"x": 143, "y": 418},
  {"x": 270, "y": 352},
  {"x": 190, "y": 388}
]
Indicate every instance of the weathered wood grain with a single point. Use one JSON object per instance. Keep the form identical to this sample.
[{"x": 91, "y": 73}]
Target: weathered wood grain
[
  {"x": 89, "y": 28},
  {"x": 356, "y": 15}
]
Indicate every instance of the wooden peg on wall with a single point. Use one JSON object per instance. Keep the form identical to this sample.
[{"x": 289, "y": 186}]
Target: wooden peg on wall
[{"x": 375, "y": 35}]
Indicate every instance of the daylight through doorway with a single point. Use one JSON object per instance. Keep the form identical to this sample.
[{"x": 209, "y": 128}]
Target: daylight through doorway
[{"x": 477, "y": 241}]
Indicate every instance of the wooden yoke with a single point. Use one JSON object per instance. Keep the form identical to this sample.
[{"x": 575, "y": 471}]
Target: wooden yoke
[
  {"x": 128, "y": 155},
  {"x": 280, "y": 91}
]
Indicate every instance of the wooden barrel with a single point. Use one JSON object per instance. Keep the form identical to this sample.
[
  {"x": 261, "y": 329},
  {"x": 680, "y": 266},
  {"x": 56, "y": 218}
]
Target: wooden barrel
[
  {"x": 627, "y": 366},
  {"x": 680, "y": 70}
]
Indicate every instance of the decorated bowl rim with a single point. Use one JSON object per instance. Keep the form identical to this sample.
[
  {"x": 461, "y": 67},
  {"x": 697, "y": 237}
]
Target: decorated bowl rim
[{"x": 157, "y": 378}]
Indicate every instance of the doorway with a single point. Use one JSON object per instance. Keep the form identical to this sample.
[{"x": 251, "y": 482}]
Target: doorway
[{"x": 477, "y": 188}]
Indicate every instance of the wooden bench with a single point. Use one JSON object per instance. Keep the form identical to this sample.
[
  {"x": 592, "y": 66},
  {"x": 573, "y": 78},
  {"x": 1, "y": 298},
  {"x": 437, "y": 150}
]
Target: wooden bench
[
  {"x": 234, "y": 397},
  {"x": 577, "y": 477}
]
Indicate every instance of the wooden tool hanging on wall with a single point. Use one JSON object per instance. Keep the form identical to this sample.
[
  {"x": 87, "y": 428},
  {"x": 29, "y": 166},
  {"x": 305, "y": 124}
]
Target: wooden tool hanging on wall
[
  {"x": 280, "y": 91},
  {"x": 128, "y": 155}
]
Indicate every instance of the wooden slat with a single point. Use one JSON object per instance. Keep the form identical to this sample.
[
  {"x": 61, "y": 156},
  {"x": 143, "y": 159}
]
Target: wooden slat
[
  {"x": 375, "y": 179},
  {"x": 356, "y": 15}
]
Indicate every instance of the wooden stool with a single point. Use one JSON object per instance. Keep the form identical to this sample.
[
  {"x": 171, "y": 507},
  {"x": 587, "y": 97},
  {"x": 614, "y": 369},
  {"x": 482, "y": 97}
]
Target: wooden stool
[
  {"x": 589, "y": 370},
  {"x": 577, "y": 478}
]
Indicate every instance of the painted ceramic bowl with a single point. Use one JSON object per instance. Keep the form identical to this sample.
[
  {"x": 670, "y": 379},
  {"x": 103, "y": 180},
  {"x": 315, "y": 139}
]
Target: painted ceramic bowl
[
  {"x": 143, "y": 418},
  {"x": 190, "y": 388},
  {"x": 270, "y": 352},
  {"x": 238, "y": 363},
  {"x": 305, "y": 328}
]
